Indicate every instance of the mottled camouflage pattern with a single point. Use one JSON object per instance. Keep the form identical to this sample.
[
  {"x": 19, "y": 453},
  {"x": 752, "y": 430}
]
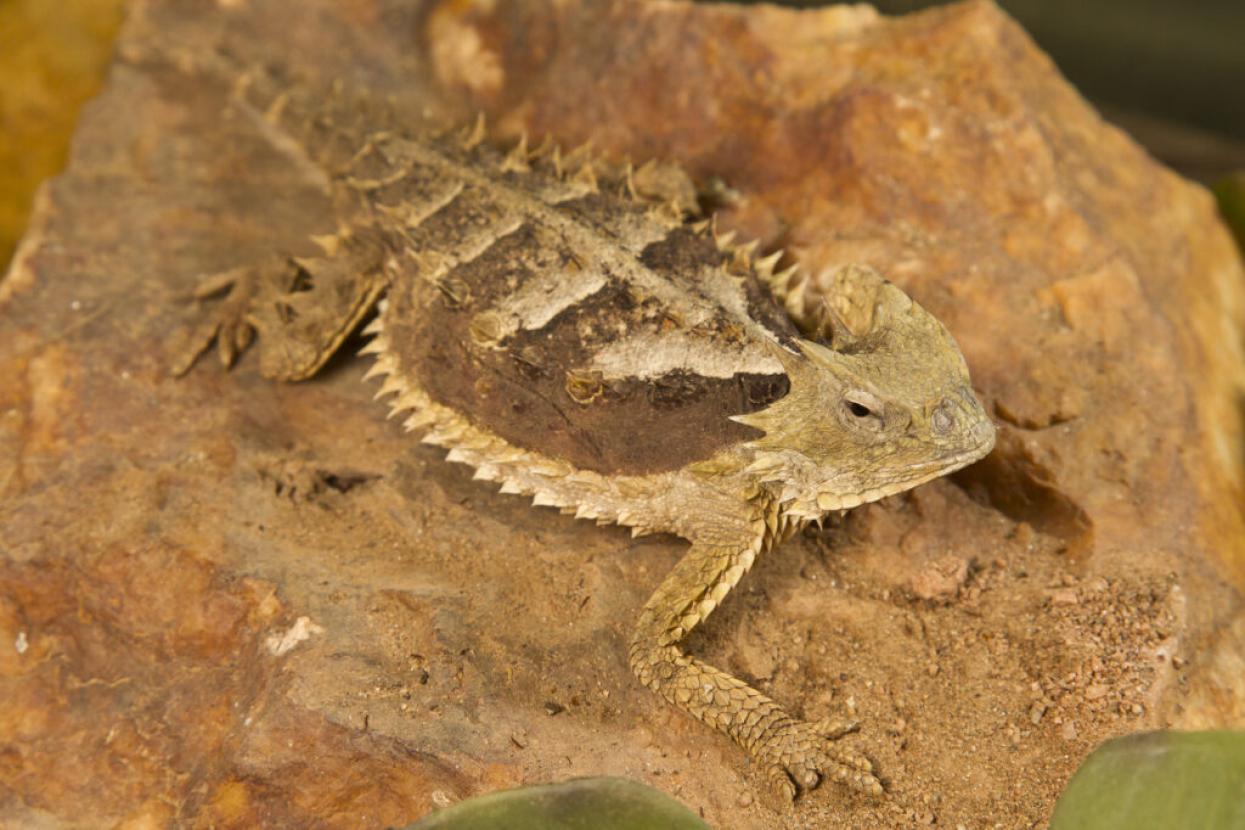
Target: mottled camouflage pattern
[{"x": 561, "y": 324}]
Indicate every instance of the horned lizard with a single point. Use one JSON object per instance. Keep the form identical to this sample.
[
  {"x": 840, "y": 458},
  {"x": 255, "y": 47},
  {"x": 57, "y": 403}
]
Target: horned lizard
[{"x": 569, "y": 329}]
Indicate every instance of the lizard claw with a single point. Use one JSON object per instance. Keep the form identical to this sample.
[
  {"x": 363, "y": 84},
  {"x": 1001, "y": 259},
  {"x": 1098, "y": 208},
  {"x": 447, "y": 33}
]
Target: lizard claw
[
  {"x": 799, "y": 756},
  {"x": 781, "y": 782},
  {"x": 226, "y": 325},
  {"x": 833, "y": 728}
]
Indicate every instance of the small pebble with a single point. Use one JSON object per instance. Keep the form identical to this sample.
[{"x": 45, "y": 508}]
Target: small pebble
[{"x": 1064, "y": 596}]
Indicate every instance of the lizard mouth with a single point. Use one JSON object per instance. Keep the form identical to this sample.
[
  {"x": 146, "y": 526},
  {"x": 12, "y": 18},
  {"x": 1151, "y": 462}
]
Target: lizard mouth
[
  {"x": 984, "y": 432},
  {"x": 914, "y": 476},
  {"x": 959, "y": 460},
  {"x": 955, "y": 461}
]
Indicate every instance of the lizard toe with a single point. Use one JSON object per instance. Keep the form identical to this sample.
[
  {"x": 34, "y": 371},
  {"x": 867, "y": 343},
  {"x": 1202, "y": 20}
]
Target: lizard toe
[
  {"x": 851, "y": 760},
  {"x": 801, "y": 756},
  {"x": 780, "y": 781},
  {"x": 833, "y": 728}
]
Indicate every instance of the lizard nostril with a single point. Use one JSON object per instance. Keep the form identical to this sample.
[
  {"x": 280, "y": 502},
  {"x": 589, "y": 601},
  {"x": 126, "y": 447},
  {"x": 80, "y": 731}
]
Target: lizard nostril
[
  {"x": 942, "y": 420},
  {"x": 983, "y": 430}
]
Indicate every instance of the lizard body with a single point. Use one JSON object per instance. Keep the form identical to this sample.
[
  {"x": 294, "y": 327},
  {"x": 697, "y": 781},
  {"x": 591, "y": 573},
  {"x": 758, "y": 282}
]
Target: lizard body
[{"x": 557, "y": 323}]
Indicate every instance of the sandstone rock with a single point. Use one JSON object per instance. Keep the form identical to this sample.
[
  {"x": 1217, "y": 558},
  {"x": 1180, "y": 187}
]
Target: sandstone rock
[{"x": 148, "y": 562}]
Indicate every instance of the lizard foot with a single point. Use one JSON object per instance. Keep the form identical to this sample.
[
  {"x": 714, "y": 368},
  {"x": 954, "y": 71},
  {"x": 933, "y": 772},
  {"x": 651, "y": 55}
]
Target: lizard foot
[
  {"x": 226, "y": 324},
  {"x": 301, "y": 308},
  {"x": 800, "y": 755}
]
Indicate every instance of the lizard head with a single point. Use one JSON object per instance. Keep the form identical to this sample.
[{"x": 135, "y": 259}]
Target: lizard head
[{"x": 879, "y": 402}]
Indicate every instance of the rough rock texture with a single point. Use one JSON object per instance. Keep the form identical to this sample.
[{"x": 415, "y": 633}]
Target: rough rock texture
[{"x": 231, "y": 602}]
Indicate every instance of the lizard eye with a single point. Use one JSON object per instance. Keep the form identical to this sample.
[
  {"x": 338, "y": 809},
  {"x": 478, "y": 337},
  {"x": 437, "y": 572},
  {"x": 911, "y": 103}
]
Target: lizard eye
[
  {"x": 859, "y": 409},
  {"x": 863, "y": 410}
]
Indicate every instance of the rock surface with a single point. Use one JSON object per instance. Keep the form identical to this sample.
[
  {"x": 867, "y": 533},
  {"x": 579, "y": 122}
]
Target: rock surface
[{"x": 224, "y": 601}]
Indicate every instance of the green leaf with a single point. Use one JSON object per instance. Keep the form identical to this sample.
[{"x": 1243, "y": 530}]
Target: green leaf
[
  {"x": 582, "y": 804},
  {"x": 1158, "y": 781}
]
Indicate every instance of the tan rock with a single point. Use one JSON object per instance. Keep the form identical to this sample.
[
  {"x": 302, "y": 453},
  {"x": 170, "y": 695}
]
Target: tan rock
[{"x": 145, "y": 559}]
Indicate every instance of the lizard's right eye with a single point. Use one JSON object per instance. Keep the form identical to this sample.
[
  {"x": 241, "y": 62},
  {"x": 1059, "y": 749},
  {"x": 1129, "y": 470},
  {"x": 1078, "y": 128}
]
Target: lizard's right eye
[
  {"x": 863, "y": 410},
  {"x": 859, "y": 409}
]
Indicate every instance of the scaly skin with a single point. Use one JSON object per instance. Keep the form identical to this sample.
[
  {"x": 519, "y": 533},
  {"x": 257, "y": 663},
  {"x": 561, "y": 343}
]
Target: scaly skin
[
  {"x": 865, "y": 396},
  {"x": 795, "y": 754}
]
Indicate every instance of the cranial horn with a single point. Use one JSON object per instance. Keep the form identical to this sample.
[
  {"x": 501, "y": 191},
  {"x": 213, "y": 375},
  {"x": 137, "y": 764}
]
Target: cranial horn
[{"x": 853, "y": 297}]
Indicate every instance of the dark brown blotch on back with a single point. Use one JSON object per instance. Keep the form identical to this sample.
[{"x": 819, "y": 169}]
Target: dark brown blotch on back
[
  {"x": 765, "y": 310},
  {"x": 759, "y": 391},
  {"x": 676, "y": 389},
  {"x": 534, "y": 393},
  {"x": 682, "y": 253},
  {"x": 531, "y": 362}
]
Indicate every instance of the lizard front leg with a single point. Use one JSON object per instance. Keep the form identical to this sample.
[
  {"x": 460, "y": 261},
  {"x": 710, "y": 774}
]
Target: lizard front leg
[
  {"x": 302, "y": 308},
  {"x": 794, "y": 753}
]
